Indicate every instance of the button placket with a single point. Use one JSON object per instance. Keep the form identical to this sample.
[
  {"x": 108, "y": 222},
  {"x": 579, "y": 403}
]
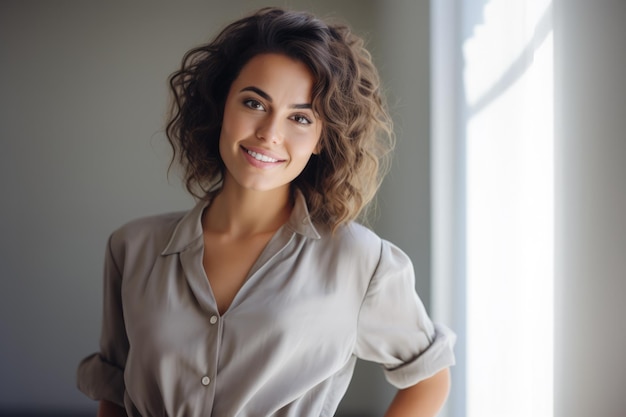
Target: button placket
[{"x": 213, "y": 320}]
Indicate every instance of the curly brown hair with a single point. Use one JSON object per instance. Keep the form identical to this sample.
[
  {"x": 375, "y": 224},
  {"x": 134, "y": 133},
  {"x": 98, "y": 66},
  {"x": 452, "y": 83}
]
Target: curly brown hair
[{"x": 357, "y": 136}]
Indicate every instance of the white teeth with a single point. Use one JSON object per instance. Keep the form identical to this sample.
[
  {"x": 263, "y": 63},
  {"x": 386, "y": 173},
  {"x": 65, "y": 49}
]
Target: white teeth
[{"x": 260, "y": 157}]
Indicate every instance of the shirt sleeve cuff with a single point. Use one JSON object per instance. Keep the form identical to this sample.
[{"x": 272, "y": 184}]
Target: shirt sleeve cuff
[
  {"x": 438, "y": 356},
  {"x": 101, "y": 380}
]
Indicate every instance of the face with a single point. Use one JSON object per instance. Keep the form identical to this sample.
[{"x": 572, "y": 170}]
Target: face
[{"x": 269, "y": 130}]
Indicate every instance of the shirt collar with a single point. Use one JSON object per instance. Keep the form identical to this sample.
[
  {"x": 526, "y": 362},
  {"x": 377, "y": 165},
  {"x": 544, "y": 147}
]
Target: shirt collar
[
  {"x": 189, "y": 228},
  {"x": 300, "y": 220}
]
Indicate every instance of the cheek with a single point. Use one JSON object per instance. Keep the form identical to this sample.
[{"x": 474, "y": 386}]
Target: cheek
[
  {"x": 318, "y": 141},
  {"x": 227, "y": 125},
  {"x": 302, "y": 155},
  {"x": 232, "y": 129},
  {"x": 302, "y": 144},
  {"x": 317, "y": 147},
  {"x": 225, "y": 144}
]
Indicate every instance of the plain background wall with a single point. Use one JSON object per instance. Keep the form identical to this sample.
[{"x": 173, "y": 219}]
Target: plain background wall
[
  {"x": 82, "y": 103},
  {"x": 590, "y": 312}
]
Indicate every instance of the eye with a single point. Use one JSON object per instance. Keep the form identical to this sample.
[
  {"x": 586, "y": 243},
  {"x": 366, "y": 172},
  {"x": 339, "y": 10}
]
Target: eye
[
  {"x": 301, "y": 119},
  {"x": 253, "y": 104}
]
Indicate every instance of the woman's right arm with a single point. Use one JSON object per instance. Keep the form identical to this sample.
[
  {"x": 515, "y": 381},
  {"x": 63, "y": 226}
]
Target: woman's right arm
[
  {"x": 109, "y": 409},
  {"x": 100, "y": 376}
]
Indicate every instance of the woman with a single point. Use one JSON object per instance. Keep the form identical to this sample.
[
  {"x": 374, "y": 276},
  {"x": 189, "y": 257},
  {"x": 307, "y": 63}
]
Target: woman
[{"x": 258, "y": 301}]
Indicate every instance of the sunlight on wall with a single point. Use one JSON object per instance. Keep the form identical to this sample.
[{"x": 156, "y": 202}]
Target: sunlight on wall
[{"x": 510, "y": 199}]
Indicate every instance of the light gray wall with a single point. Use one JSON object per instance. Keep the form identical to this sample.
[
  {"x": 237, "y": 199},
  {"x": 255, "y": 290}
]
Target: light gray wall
[
  {"x": 82, "y": 150},
  {"x": 590, "y": 339},
  {"x": 404, "y": 200}
]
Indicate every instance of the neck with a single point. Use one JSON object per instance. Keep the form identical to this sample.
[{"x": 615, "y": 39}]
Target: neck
[{"x": 238, "y": 212}]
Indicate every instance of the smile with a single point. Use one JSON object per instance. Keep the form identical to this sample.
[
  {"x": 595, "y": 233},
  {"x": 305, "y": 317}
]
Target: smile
[{"x": 260, "y": 157}]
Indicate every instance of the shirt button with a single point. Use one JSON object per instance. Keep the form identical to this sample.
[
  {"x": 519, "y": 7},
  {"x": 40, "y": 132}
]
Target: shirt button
[
  {"x": 213, "y": 319},
  {"x": 205, "y": 380}
]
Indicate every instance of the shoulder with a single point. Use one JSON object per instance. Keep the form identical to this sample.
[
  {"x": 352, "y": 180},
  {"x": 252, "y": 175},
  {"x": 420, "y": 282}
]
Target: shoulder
[
  {"x": 360, "y": 235},
  {"x": 146, "y": 233},
  {"x": 353, "y": 241},
  {"x": 149, "y": 226},
  {"x": 360, "y": 242}
]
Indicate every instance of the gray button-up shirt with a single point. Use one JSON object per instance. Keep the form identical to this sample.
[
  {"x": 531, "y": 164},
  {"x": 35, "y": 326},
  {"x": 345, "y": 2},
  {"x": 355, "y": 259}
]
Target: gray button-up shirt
[{"x": 312, "y": 303}]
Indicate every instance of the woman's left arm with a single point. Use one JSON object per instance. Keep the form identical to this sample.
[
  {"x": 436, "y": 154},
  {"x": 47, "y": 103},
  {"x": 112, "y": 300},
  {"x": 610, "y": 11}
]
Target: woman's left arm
[{"x": 423, "y": 399}]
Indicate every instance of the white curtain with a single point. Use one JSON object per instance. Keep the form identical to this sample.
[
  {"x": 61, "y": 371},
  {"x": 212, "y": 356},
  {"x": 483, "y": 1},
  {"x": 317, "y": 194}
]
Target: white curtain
[{"x": 493, "y": 182}]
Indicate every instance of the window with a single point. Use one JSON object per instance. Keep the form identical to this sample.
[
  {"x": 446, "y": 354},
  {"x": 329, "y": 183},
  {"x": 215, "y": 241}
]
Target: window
[{"x": 499, "y": 202}]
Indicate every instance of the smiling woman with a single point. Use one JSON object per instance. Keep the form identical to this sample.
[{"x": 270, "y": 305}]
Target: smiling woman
[
  {"x": 259, "y": 300},
  {"x": 345, "y": 94},
  {"x": 269, "y": 131}
]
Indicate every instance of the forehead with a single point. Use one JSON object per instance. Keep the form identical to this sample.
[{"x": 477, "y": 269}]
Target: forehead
[{"x": 276, "y": 72}]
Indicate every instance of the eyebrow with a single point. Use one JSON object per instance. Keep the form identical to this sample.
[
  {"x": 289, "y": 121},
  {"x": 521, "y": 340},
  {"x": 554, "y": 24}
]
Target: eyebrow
[{"x": 268, "y": 98}]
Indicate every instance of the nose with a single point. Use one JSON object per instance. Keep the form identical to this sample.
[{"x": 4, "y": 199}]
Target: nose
[{"x": 270, "y": 130}]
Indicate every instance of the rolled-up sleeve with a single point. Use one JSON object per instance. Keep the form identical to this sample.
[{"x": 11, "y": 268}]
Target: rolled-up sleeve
[
  {"x": 394, "y": 328},
  {"x": 100, "y": 376}
]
